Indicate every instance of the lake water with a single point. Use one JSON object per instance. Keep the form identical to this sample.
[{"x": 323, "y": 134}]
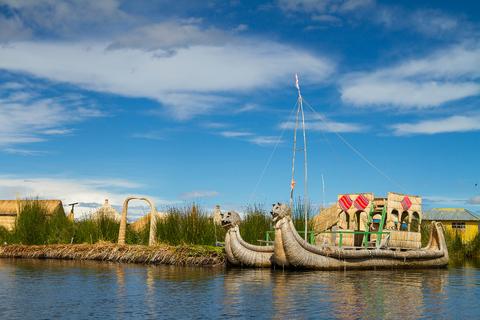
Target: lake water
[{"x": 49, "y": 289}]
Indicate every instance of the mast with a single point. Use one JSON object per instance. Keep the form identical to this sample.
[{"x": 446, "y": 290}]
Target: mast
[{"x": 305, "y": 180}]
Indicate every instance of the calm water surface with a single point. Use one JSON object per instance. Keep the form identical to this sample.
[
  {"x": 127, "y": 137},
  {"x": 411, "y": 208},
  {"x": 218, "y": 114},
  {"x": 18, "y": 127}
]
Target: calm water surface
[{"x": 48, "y": 289}]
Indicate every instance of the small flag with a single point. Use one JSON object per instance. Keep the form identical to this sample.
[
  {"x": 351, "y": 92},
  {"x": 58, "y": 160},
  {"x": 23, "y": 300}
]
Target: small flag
[
  {"x": 345, "y": 202},
  {"x": 406, "y": 203},
  {"x": 361, "y": 202},
  {"x": 292, "y": 184},
  {"x": 296, "y": 82}
]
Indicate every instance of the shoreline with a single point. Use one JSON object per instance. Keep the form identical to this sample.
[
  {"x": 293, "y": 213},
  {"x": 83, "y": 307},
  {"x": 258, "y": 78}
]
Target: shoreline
[{"x": 161, "y": 254}]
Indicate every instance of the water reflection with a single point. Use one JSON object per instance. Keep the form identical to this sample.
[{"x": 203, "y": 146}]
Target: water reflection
[{"x": 33, "y": 289}]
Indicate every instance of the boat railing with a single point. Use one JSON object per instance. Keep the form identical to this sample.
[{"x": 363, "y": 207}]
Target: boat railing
[
  {"x": 270, "y": 236},
  {"x": 365, "y": 234}
]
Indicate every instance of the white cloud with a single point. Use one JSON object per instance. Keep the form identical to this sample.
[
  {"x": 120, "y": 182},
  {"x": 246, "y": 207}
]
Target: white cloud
[
  {"x": 84, "y": 191},
  {"x": 320, "y": 123},
  {"x": 190, "y": 82},
  {"x": 444, "y": 200},
  {"x": 445, "y": 125},
  {"x": 265, "y": 140},
  {"x": 474, "y": 200},
  {"x": 428, "y": 22},
  {"x": 248, "y": 107},
  {"x": 13, "y": 28},
  {"x": 67, "y": 190},
  {"x": 27, "y": 118},
  {"x": 151, "y": 135},
  {"x": 444, "y": 76},
  {"x": 199, "y": 194},
  {"x": 235, "y": 134},
  {"x": 252, "y": 138},
  {"x": 170, "y": 35},
  {"x": 326, "y": 6},
  {"x": 433, "y": 22},
  {"x": 24, "y": 152},
  {"x": 69, "y": 18}
]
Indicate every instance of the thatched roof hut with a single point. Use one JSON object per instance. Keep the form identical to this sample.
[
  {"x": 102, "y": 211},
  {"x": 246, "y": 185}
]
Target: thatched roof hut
[
  {"x": 10, "y": 209},
  {"x": 144, "y": 221},
  {"x": 217, "y": 215},
  {"x": 106, "y": 211}
]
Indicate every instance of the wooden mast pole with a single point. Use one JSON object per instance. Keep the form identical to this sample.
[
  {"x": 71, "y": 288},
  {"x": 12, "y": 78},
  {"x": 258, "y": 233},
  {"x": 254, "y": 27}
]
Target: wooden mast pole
[{"x": 305, "y": 168}]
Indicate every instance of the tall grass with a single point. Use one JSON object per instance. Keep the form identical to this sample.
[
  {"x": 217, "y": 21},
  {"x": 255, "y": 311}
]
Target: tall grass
[
  {"x": 35, "y": 226},
  {"x": 457, "y": 249},
  {"x": 256, "y": 222},
  {"x": 102, "y": 228},
  {"x": 298, "y": 215},
  {"x": 188, "y": 225}
]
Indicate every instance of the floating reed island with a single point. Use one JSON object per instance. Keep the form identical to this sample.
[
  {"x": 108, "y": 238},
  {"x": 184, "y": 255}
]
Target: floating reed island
[
  {"x": 182, "y": 255},
  {"x": 182, "y": 236}
]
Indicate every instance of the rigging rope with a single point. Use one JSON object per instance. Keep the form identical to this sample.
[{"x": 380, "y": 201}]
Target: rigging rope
[
  {"x": 271, "y": 156},
  {"x": 364, "y": 158}
]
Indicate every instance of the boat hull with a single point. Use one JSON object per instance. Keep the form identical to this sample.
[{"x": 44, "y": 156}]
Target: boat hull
[
  {"x": 241, "y": 253},
  {"x": 302, "y": 255}
]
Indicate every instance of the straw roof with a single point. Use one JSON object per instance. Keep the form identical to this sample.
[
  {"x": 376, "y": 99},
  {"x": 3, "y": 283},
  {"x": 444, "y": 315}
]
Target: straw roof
[
  {"x": 450, "y": 214},
  {"x": 217, "y": 215},
  {"x": 13, "y": 207},
  {"x": 145, "y": 220},
  {"x": 106, "y": 211},
  {"x": 326, "y": 219}
]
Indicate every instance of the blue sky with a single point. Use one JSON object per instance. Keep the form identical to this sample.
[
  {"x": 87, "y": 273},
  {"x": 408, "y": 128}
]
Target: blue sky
[{"x": 192, "y": 101}]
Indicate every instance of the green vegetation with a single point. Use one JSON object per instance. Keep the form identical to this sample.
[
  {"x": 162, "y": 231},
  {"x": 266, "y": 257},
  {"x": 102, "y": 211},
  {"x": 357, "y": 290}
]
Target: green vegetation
[
  {"x": 35, "y": 226},
  {"x": 298, "y": 215},
  {"x": 457, "y": 249},
  {"x": 189, "y": 225},
  {"x": 255, "y": 223}
]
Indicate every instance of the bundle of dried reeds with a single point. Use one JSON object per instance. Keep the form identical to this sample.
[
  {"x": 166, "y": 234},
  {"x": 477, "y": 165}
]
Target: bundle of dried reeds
[{"x": 185, "y": 255}]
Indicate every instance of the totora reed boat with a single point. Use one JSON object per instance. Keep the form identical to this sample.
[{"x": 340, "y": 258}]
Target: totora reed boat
[
  {"x": 239, "y": 252},
  {"x": 291, "y": 250},
  {"x": 360, "y": 231}
]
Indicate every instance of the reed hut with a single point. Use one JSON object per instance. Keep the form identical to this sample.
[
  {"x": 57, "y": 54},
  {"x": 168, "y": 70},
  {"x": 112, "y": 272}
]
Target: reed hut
[
  {"x": 140, "y": 224},
  {"x": 106, "y": 211},
  {"x": 11, "y": 209},
  {"x": 217, "y": 215},
  {"x": 356, "y": 213}
]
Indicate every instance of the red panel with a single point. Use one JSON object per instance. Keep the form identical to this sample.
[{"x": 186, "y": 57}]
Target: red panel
[
  {"x": 361, "y": 202},
  {"x": 406, "y": 203},
  {"x": 345, "y": 202}
]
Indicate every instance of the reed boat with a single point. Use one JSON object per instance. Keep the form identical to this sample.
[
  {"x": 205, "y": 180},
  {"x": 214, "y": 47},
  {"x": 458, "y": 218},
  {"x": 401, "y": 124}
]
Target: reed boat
[
  {"x": 291, "y": 250},
  {"x": 238, "y": 251}
]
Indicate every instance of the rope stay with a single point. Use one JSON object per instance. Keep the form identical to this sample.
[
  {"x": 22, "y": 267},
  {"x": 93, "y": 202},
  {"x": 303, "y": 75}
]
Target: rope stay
[
  {"x": 267, "y": 164},
  {"x": 356, "y": 151}
]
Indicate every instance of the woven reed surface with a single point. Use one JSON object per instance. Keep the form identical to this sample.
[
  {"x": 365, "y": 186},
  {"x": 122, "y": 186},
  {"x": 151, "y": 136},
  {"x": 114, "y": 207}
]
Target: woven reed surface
[{"x": 159, "y": 254}]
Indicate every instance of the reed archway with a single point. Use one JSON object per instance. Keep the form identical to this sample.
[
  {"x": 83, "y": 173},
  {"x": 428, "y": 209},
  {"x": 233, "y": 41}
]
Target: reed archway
[
  {"x": 394, "y": 220},
  {"x": 415, "y": 222},
  {"x": 405, "y": 221},
  {"x": 153, "y": 220}
]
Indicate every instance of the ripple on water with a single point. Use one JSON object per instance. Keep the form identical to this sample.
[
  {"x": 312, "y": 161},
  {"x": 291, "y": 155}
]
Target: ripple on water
[{"x": 44, "y": 289}]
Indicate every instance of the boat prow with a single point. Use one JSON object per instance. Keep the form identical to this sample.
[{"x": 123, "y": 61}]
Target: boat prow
[
  {"x": 301, "y": 254},
  {"x": 238, "y": 251}
]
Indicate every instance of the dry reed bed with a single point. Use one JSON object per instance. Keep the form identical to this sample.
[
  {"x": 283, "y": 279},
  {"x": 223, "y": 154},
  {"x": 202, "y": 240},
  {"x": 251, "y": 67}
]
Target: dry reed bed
[{"x": 182, "y": 255}]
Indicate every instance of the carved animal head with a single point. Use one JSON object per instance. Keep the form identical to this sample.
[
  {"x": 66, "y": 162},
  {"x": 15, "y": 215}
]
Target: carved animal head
[
  {"x": 230, "y": 219},
  {"x": 279, "y": 211}
]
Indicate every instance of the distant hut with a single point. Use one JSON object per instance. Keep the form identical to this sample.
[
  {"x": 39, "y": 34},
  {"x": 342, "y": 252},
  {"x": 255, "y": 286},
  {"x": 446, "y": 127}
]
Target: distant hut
[
  {"x": 140, "y": 224},
  {"x": 10, "y": 209},
  {"x": 106, "y": 211},
  {"x": 217, "y": 215},
  {"x": 459, "y": 221}
]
